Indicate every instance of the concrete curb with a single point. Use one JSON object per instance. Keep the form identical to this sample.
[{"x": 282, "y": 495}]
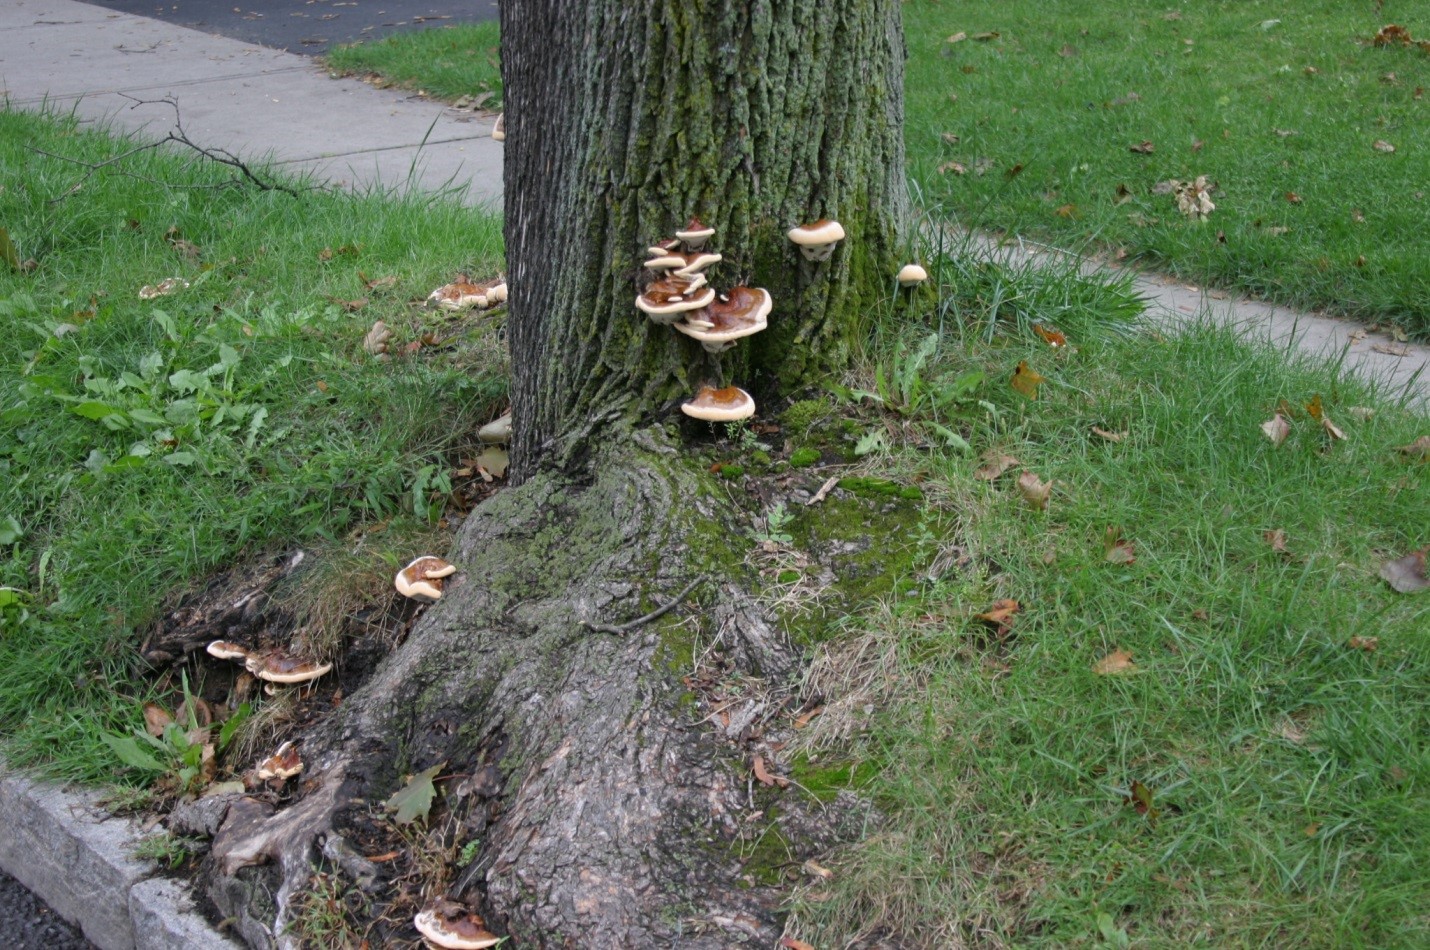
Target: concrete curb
[{"x": 79, "y": 859}]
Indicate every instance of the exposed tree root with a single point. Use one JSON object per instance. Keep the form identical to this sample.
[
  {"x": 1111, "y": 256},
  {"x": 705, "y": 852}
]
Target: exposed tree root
[{"x": 621, "y": 815}]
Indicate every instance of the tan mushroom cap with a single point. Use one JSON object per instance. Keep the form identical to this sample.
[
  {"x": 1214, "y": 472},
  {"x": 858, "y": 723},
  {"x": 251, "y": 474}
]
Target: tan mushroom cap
[
  {"x": 285, "y": 763},
  {"x": 498, "y": 431},
  {"x": 739, "y": 313},
  {"x": 227, "y": 651},
  {"x": 683, "y": 265},
  {"x": 499, "y": 130},
  {"x": 911, "y": 275},
  {"x": 422, "y": 579},
  {"x": 279, "y": 667},
  {"x": 673, "y": 296},
  {"x": 720, "y": 405},
  {"x": 451, "y": 926},
  {"x": 816, "y": 241},
  {"x": 694, "y": 234}
]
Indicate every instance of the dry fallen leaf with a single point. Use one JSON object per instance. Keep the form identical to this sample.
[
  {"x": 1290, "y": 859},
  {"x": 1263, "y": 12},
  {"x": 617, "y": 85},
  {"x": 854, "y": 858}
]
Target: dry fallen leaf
[
  {"x": 803, "y": 719},
  {"x": 1391, "y": 349},
  {"x": 958, "y": 37},
  {"x": 156, "y": 719},
  {"x": 1118, "y": 661},
  {"x": 492, "y": 462},
  {"x": 1194, "y": 198},
  {"x": 818, "y": 870},
  {"x": 377, "y": 340},
  {"x": 1000, "y": 616},
  {"x": 994, "y": 464},
  {"x": 1144, "y": 147},
  {"x": 1026, "y": 380},
  {"x": 958, "y": 168},
  {"x": 1034, "y": 490},
  {"x": 1380, "y": 145},
  {"x": 1276, "y": 429},
  {"x": 1116, "y": 549},
  {"x": 764, "y": 777},
  {"x": 1407, "y": 574},
  {"x": 1276, "y": 537},
  {"x": 790, "y": 943},
  {"x": 1108, "y": 434},
  {"x": 166, "y": 286},
  {"x": 1419, "y": 449},
  {"x": 950, "y": 138},
  {"x": 1050, "y": 335},
  {"x": 1364, "y": 644},
  {"x": 1141, "y": 800}
]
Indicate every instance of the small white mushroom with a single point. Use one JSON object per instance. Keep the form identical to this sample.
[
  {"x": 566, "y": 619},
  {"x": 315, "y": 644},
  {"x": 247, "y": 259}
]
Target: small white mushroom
[
  {"x": 911, "y": 275},
  {"x": 816, "y": 241}
]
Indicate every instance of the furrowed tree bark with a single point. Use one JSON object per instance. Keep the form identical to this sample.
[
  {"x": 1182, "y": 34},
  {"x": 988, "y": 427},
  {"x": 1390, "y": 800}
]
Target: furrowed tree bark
[
  {"x": 623, "y": 121},
  {"x": 618, "y": 819}
]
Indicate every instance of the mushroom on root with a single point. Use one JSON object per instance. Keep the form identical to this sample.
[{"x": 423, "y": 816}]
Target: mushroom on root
[
  {"x": 665, "y": 300},
  {"x": 911, "y": 275},
  {"x": 816, "y": 241},
  {"x": 283, "y": 764},
  {"x": 422, "y": 579},
  {"x": 741, "y": 312},
  {"x": 276, "y": 666},
  {"x": 720, "y": 405},
  {"x": 694, "y": 234},
  {"x": 227, "y": 651},
  {"x": 452, "y": 926}
]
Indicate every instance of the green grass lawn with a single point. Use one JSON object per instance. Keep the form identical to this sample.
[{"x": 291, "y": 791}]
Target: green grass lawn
[
  {"x": 1280, "y": 104},
  {"x": 1288, "y": 767},
  {"x": 447, "y": 62},
  {"x": 144, "y": 444}
]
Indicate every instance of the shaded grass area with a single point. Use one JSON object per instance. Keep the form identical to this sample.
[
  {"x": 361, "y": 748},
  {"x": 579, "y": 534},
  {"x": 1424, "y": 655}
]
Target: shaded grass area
[
  {"x": 446, "y": 62},
  {"x": 144, "y": 443},
  {"x": 1279, "y": 104},
  {"x": 1287, "y": 768}
]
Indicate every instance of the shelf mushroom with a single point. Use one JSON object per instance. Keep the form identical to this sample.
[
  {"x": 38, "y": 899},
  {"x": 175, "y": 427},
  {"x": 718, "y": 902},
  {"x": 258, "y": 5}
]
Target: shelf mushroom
[
  {"x": 283, "y": 764},
  {"x": 496, "y": 432},
  {"x": 278, "y": 667},
  {"x": 816, "y": 241},
  {"x": 451, "y": 926},
  {"x": 720, "y": 405},
  {"x": 694, "y": 234},
  {"x": 678, "y": 264},
  {"x": 739, "y": 313},
  {"x": 911, "y": 275},
  {"x": 666, "y": 299},
  {"x": 422, "y": 579},
  {"x": 499, "y": 130}
]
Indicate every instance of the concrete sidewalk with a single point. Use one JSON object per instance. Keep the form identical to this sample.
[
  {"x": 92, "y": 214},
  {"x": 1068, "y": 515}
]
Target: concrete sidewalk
[{"x": 251, "y": 100}]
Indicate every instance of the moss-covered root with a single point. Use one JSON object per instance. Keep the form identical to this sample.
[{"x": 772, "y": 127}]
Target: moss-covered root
[{"x": 620, "y": 817}]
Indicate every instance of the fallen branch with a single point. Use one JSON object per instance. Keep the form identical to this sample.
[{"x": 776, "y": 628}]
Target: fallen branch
[
  {"x": 178, "y": 136},
  {"x": 655, "y": 614}
]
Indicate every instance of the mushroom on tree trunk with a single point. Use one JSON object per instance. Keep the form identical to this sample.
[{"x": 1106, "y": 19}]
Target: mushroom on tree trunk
[{"x": 620, "y": 813}]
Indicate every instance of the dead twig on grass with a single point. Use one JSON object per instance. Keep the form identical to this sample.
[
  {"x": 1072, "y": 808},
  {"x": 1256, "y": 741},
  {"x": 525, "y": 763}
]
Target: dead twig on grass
[{"x": 178, "y": 136}]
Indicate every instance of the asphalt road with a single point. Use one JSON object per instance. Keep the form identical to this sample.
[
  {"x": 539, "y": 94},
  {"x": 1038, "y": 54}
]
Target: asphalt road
[
  {"x": 307, "y": 26},
  {"x": 27, "y": 924}
]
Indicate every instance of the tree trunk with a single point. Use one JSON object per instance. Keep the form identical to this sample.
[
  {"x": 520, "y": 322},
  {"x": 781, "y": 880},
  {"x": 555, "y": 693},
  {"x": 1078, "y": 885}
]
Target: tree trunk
[
  {"x": 616, "y": 817},
  {"x": 625, "y": 120}
]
